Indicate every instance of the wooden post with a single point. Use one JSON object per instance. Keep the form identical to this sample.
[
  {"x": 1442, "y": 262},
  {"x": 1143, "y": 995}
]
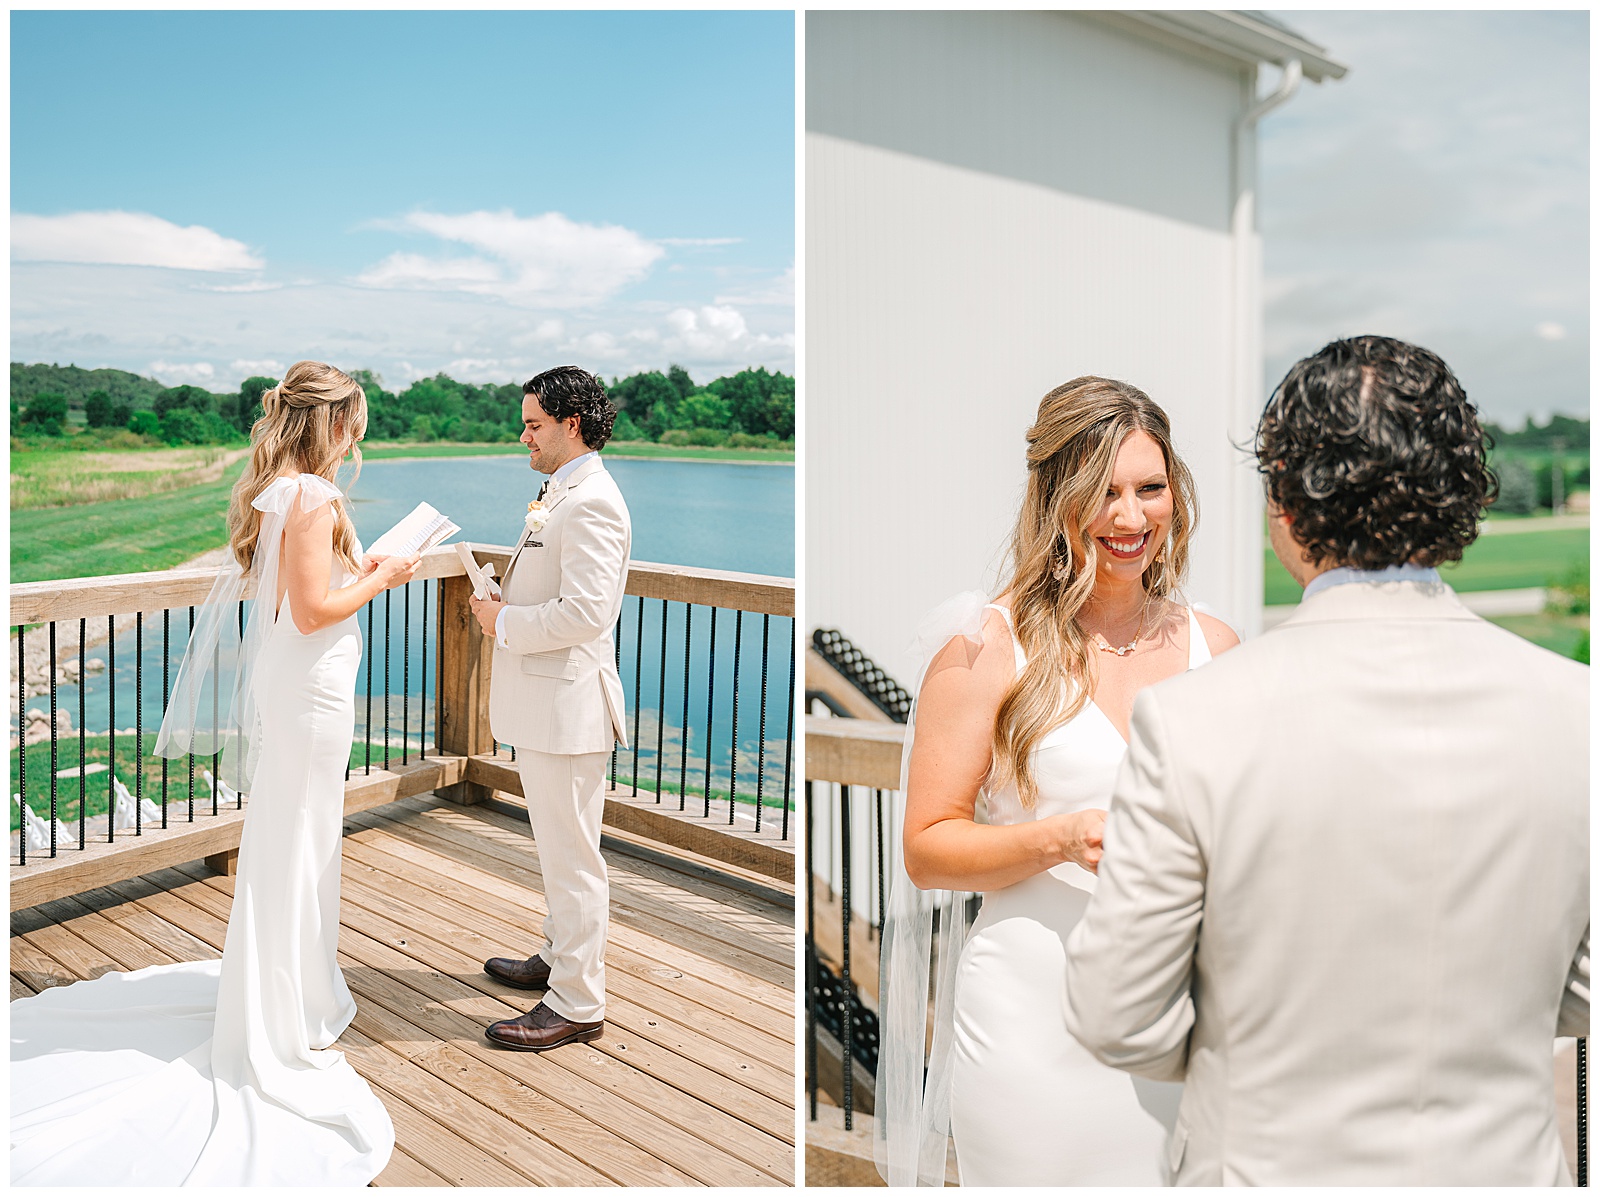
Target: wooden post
[
  {"x": 224, "y": 864},
  {"x": 462, "y": 700}
]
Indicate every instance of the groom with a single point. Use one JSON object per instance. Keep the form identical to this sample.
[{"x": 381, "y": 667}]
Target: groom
[
  {"x": 554, "y": 694},
  {"x": 1345, "y": 892}
]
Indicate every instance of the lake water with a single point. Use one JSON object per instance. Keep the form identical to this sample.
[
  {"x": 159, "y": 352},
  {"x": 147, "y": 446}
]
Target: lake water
[{"x": 705, "y": 514}]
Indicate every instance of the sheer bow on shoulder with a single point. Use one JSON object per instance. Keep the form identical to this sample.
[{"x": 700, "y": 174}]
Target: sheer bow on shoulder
[
  {"x": 212, "y": 708},
  {"x": 924, "y": 930}
]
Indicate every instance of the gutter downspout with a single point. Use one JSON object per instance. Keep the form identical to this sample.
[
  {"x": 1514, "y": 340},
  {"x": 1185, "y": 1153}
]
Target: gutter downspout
[{"x": 1248, "y": 401}]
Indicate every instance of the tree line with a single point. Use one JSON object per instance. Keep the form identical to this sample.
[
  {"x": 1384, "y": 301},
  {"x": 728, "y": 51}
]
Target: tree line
[{"x": 750, "y": 409}]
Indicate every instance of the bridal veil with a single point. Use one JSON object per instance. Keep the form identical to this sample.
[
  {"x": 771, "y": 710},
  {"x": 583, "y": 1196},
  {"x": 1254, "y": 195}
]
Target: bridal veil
[
  {"x": 212, "y": 708},
  {"x": 923, "y": 936}
]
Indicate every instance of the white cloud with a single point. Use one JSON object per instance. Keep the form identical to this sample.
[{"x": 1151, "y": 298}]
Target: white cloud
[
  {"x": 1439, "y": 193},
  {"x": 125, "y": 239},
  {"x": 258, "y": 368},
  {"x": 121, "y": 316},
  {"x": 244, "y": 288},
  {"x": 711, "y": 330},
  {"x": 178, "y": 373},
  {"x": 546, "y": 260},
  {"x": 777, "y": 292}
]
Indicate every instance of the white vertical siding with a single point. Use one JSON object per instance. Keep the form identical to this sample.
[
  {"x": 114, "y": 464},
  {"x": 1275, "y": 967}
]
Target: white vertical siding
[{"x": 941, "y": 304}]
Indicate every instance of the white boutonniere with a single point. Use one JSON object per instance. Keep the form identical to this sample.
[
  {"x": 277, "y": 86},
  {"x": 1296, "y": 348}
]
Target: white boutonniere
[{"x": 538, "y": 516}]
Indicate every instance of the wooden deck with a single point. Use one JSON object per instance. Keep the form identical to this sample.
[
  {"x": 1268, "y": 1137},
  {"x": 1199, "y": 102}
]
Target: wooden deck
[{"x": 692, "y": 1084}]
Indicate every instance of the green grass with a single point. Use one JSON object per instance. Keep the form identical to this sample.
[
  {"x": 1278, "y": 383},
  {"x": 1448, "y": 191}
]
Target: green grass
[
  {"x": 1510, "y": 562},
  {"x": 1559, "y": 633},
  {"x": 97, "y": 787},
  {"x": 638, "y": 449},
  {"x": 122, "y": 536}
]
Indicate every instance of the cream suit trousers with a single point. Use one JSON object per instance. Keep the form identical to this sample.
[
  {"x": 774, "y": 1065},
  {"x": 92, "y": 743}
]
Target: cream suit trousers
[{"x": 566, "y": 799}]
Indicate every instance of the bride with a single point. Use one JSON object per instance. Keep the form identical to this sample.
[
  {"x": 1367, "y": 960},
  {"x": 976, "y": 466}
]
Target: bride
[
  {"x": 1021, "y": 723},
  {"x": 222, "y": 1072}
]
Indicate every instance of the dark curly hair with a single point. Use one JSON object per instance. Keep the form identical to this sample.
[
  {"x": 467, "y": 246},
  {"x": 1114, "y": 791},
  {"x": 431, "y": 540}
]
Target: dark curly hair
[
  {"x": 1372, "y": 449},
  {"x": 568, "y": 391}
]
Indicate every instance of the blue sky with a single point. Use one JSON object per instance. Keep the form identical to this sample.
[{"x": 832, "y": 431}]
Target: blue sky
[
  {"x": 217, "y": 194},
  {"x": 1439, "y": 193}
]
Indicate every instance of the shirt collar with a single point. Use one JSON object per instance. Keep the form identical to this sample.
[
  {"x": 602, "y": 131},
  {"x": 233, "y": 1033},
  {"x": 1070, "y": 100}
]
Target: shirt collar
[
  {"x": 571, "y": 468},
  {"x": 1344, "y": 575}
]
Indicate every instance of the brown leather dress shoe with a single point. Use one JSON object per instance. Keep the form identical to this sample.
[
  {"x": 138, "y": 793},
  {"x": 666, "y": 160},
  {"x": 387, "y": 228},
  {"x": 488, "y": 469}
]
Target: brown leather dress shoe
[
  {"x": 540, "y": 1029},
  {"x": 532, "y": 973}
]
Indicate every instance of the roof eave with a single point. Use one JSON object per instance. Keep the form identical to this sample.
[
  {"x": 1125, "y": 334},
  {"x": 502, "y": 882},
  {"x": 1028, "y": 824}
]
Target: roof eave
[{"x": 1242, "y": 37}]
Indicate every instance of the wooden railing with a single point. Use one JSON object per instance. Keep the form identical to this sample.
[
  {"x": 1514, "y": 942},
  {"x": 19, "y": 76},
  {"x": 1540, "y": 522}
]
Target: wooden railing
[
  {"x": 852, "y": 814},
  {"x": 459, "y": 759}
]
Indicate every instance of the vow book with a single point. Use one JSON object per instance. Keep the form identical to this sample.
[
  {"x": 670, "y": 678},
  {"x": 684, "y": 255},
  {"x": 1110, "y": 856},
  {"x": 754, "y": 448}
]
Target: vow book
[{"x": 420, "y": 530}]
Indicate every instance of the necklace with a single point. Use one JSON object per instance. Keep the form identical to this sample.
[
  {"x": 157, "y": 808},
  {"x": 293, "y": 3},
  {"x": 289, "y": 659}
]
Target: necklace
[{"x": 1106, "y": 646}]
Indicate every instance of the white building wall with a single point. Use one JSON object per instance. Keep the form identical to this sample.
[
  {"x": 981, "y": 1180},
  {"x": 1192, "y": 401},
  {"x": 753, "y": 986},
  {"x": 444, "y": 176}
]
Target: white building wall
[{"x": 1065, "y": 211}]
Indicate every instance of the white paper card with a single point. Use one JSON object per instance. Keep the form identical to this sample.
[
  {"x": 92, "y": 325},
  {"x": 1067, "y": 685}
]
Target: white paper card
[
  {"x": 420, "y": 530},
  {"x": 482, "y": 577}
]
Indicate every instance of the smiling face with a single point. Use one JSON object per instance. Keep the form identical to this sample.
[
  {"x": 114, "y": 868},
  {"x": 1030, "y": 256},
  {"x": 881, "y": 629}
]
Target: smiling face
[
  {"x": 551, "y": 442},
  {"x": 1136, "y": 513}
]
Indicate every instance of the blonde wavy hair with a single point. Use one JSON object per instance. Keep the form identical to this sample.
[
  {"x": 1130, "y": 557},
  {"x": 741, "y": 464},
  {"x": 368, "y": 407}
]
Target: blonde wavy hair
[
  {"x": 310, "y": 421},
  {"x": 1072, "y": 448}
]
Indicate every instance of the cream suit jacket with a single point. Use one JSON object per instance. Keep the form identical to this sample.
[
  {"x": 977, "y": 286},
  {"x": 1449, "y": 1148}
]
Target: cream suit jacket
[
  {"x": 1345, "y": 899},
  {"x": 555, "y": 687}
]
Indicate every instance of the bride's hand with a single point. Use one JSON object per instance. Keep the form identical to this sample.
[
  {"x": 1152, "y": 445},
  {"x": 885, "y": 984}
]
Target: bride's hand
[
  {"x": 394, "y": 571},
  {"x": 1079, "y": 837}
]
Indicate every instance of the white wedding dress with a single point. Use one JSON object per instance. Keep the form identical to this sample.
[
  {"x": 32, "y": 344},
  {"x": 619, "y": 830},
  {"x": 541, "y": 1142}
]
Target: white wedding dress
[
  {"x": 1028, "y": 1104},
  {"x": 222, "y": 1072}
]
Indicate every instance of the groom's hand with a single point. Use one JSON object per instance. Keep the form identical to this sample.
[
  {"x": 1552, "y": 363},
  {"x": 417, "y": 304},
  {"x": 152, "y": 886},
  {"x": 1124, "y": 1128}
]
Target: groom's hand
[{"x": 486, "y": 611}]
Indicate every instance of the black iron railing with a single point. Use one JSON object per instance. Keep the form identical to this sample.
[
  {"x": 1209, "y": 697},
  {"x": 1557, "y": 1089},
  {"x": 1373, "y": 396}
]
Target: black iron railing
[
  {"x": 711, "y": 720},
  {"x": 46, "y": 821},
  {"x": 739, "y": 755}
]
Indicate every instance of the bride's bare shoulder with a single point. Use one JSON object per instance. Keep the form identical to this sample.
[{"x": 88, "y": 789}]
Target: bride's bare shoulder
[
  {"x": 976, "y": 668},
  {"x": 1219, "y": 636}
]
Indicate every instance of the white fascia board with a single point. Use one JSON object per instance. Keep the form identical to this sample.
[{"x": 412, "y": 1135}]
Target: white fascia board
[{"x": 1241, "y": 36}]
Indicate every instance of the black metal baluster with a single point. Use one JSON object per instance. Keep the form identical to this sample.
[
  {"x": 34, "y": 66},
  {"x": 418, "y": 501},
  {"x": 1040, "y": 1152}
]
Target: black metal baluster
[
  {"x": 55, "y": 763},
  {"x": 22, "y": 740},
  {"x": 711, "y": 698},
  {"x": 788, "y": 743},
  {"x": 683, "y": 755},
  {"x": 138, "y": 722},
  {"x": 405, "y": 676},
  {"x": 368, "y": 727},
  {"x": 661, "y": 698},
  {"x": 761, "y": 748},
  {"x": 166, "y": 658},
  {"x": 1583, "y": 1113},
  {"x": 638, "y": 680},
  {"x": 216, "y": 723},
  {"x": 846, "y": 992},
  {"x": 191, "y": 755},
  {"x": 733, "y": 756},
  {"x": 388, "y": 636},
  {"x": 422, "y": 699},
  {"x": 811, "y": 957},
  {"x": 83, "y": 748},
  {"x": 883, "y": 869},
  {"x": 111, "y": 731},
  {"x": 616, "y": 645}
]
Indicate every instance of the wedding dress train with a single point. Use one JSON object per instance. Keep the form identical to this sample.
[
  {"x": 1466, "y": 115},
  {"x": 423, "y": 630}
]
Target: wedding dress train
[{"x": 222, "y": 1072}]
